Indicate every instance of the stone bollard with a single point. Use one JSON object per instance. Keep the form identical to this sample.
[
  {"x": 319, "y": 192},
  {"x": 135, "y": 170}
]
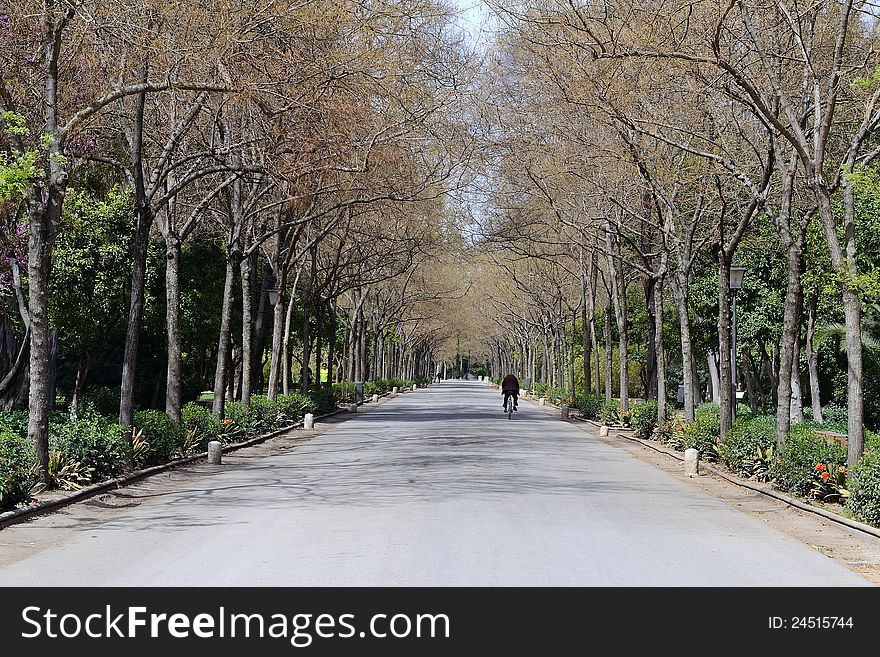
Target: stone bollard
[
  {"x": 563, "y": 413},
  {"x": 309, "y": 421},
  {"x": 375, "y": 399},
  {"x": 692, "y": 462},
  {"x": 215, "y": 449},
  {"x": 415, "y": 386},
  {"x": 542, "y": 401},
  {"x": 394, "y": 390},
  {"x": 351, "y": 408},
  {"x": 603, "y": 430}
]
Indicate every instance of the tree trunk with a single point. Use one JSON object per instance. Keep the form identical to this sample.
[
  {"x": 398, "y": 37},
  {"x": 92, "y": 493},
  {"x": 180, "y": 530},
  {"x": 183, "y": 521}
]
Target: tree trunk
[
  {"x": 750, "y": 382},
  {"x": 609, "y": 353},
  {"x": 618, "y": 297},
  {"x": 791, "y": 327},
  {"x": 277, "y": 338},
  {"x": 43, "y": 221},
  {"x": 286, "y": 357},
  {"x": 813, "y": 362},
  {"x": 852, "y": 313},
  {"x": 660, "y": 351},
  {"x": 221, "y": 372},
  {"x": 714, "y": 384},
  {"x": 844, "y": 262},
  {"x": 82, "y": 373},
  {"x": 172, "y": 319},
  {"x": 246, "y": 333},
  {"x": 262, "y": 322},
  {"x": 726, "y": 398},
  {"x": 138, "y": 267},
  {"x": 797, "y": 402},
  {"x": 650, "y": 288}
]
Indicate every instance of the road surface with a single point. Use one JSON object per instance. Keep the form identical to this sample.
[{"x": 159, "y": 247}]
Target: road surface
[{"x": 434, "y": 487}]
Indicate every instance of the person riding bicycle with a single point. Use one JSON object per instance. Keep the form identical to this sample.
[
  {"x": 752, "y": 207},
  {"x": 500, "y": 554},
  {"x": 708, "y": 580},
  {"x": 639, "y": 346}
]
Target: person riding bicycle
[{"x": 509, "y": 388}]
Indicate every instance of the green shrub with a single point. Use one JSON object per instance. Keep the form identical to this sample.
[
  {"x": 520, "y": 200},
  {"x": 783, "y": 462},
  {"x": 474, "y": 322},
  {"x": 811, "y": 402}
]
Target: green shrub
[
  {"x": 323, "y": 401},
  {"x": 343, "y": 392},
  {"x": 237, "y": 425},
  {"x": 265, "y": 415},
  {"x": 374, "y": 388},
  {"x": 744, "y": 411},
  {"x": 200, "y": 421},
  {"x": 834, "y": 418},
  {"x": 702, "y": 434},
  {"x": 872, "y": 440},
  {"x": 163, "y": 436},
  {"x": 590, "y": 405},
  {"x": 17, "y": 469},
  {"x": 294, "y": 407},
  {"x": 93, "y": 441},
  {"x": 15, "y": 421},
  {"x": 558, "y": 396},
  {"x": 795, "y": 466},
  {"x": 864, "y": 488},
  {"x": 610, "y": 413},
  {"x": 66, "y": 473},
  {"x": 200, "y": 426},
  {"x": 643, "y": 418},
  {"x": 538, "y": 389},
  {"x": 748, "y": 449},
  {"x": 671, "y": 433}
]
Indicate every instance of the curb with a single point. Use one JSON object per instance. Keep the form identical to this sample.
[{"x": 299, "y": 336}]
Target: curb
[
  {"x": 20, "y": 515},
  {"x": 769, "y": 492}
]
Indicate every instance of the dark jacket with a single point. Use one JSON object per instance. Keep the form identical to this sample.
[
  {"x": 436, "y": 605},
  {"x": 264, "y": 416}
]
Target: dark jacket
[{"x": 510, "y": 384}]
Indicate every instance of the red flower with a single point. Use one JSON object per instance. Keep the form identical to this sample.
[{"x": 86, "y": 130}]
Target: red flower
[
  {"x": 824, "y": 476},
  {"x": 820, "y": 467},
  {"x": 227, "y": 421},
  {"x": 680, "y": 427}
]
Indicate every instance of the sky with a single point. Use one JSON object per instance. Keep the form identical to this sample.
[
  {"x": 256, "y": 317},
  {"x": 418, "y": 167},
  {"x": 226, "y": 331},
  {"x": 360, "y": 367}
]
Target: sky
[{"x": 473, "y": 15}]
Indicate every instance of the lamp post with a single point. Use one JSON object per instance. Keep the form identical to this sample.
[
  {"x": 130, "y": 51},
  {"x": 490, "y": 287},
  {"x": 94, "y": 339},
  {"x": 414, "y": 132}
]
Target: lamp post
[
  {"x": 736, "y": 278},
  {"x": 273, "y": 295}
]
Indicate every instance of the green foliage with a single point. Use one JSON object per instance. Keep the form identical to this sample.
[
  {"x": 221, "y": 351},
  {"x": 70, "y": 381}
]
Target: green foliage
[
  {"x": 16, "y": 175},
  {"x": 538, "y": 389},
  {"x": 14, "y": 421},
  {"x": 644, "y": 418},
  {"x": 163, "y": 436},
  {"x": 323, "y": 401},
  {"x": 702, "y": 434},
  {"x": 590, "y": 405},
  {"x": 749, "y": 447},
  {"x": 611, "y": 414},
  {"x": 864, "y": 488},
  {"x": 66, "y": 473},
  {"x": 559, "y": 396},
  {"x": 93, "y": 441},
  {"x": 293, "y": 407},
  {"x": 91, "y": 266},
  {"x": 671, "y": 433},
  {"x": 801, "y": 451},
  {"x": 264, "y": 415},
  {"x": 829, "y": 484},
  {"x": 17, "y": 471},
  {"x": 198, "y": 421}
]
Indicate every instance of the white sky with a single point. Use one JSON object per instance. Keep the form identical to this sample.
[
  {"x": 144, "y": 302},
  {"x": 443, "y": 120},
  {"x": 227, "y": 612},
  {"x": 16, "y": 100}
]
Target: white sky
[{"x": 473, "y": 16}]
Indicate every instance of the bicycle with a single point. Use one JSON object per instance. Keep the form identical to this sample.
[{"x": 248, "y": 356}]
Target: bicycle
[{"x": 509, "y": 406}]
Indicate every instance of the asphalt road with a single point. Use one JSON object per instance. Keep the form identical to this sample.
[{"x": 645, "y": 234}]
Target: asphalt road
[{"x": 435, "y": 487}]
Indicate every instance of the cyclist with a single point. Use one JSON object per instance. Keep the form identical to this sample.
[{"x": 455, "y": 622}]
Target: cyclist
[{"x": 509, "y": 388}]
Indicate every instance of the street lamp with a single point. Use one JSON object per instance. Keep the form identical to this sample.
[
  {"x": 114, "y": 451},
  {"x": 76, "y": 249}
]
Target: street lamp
[
  {"x": 273, "y": 295},
  {"x": 736, "y": 279}
]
